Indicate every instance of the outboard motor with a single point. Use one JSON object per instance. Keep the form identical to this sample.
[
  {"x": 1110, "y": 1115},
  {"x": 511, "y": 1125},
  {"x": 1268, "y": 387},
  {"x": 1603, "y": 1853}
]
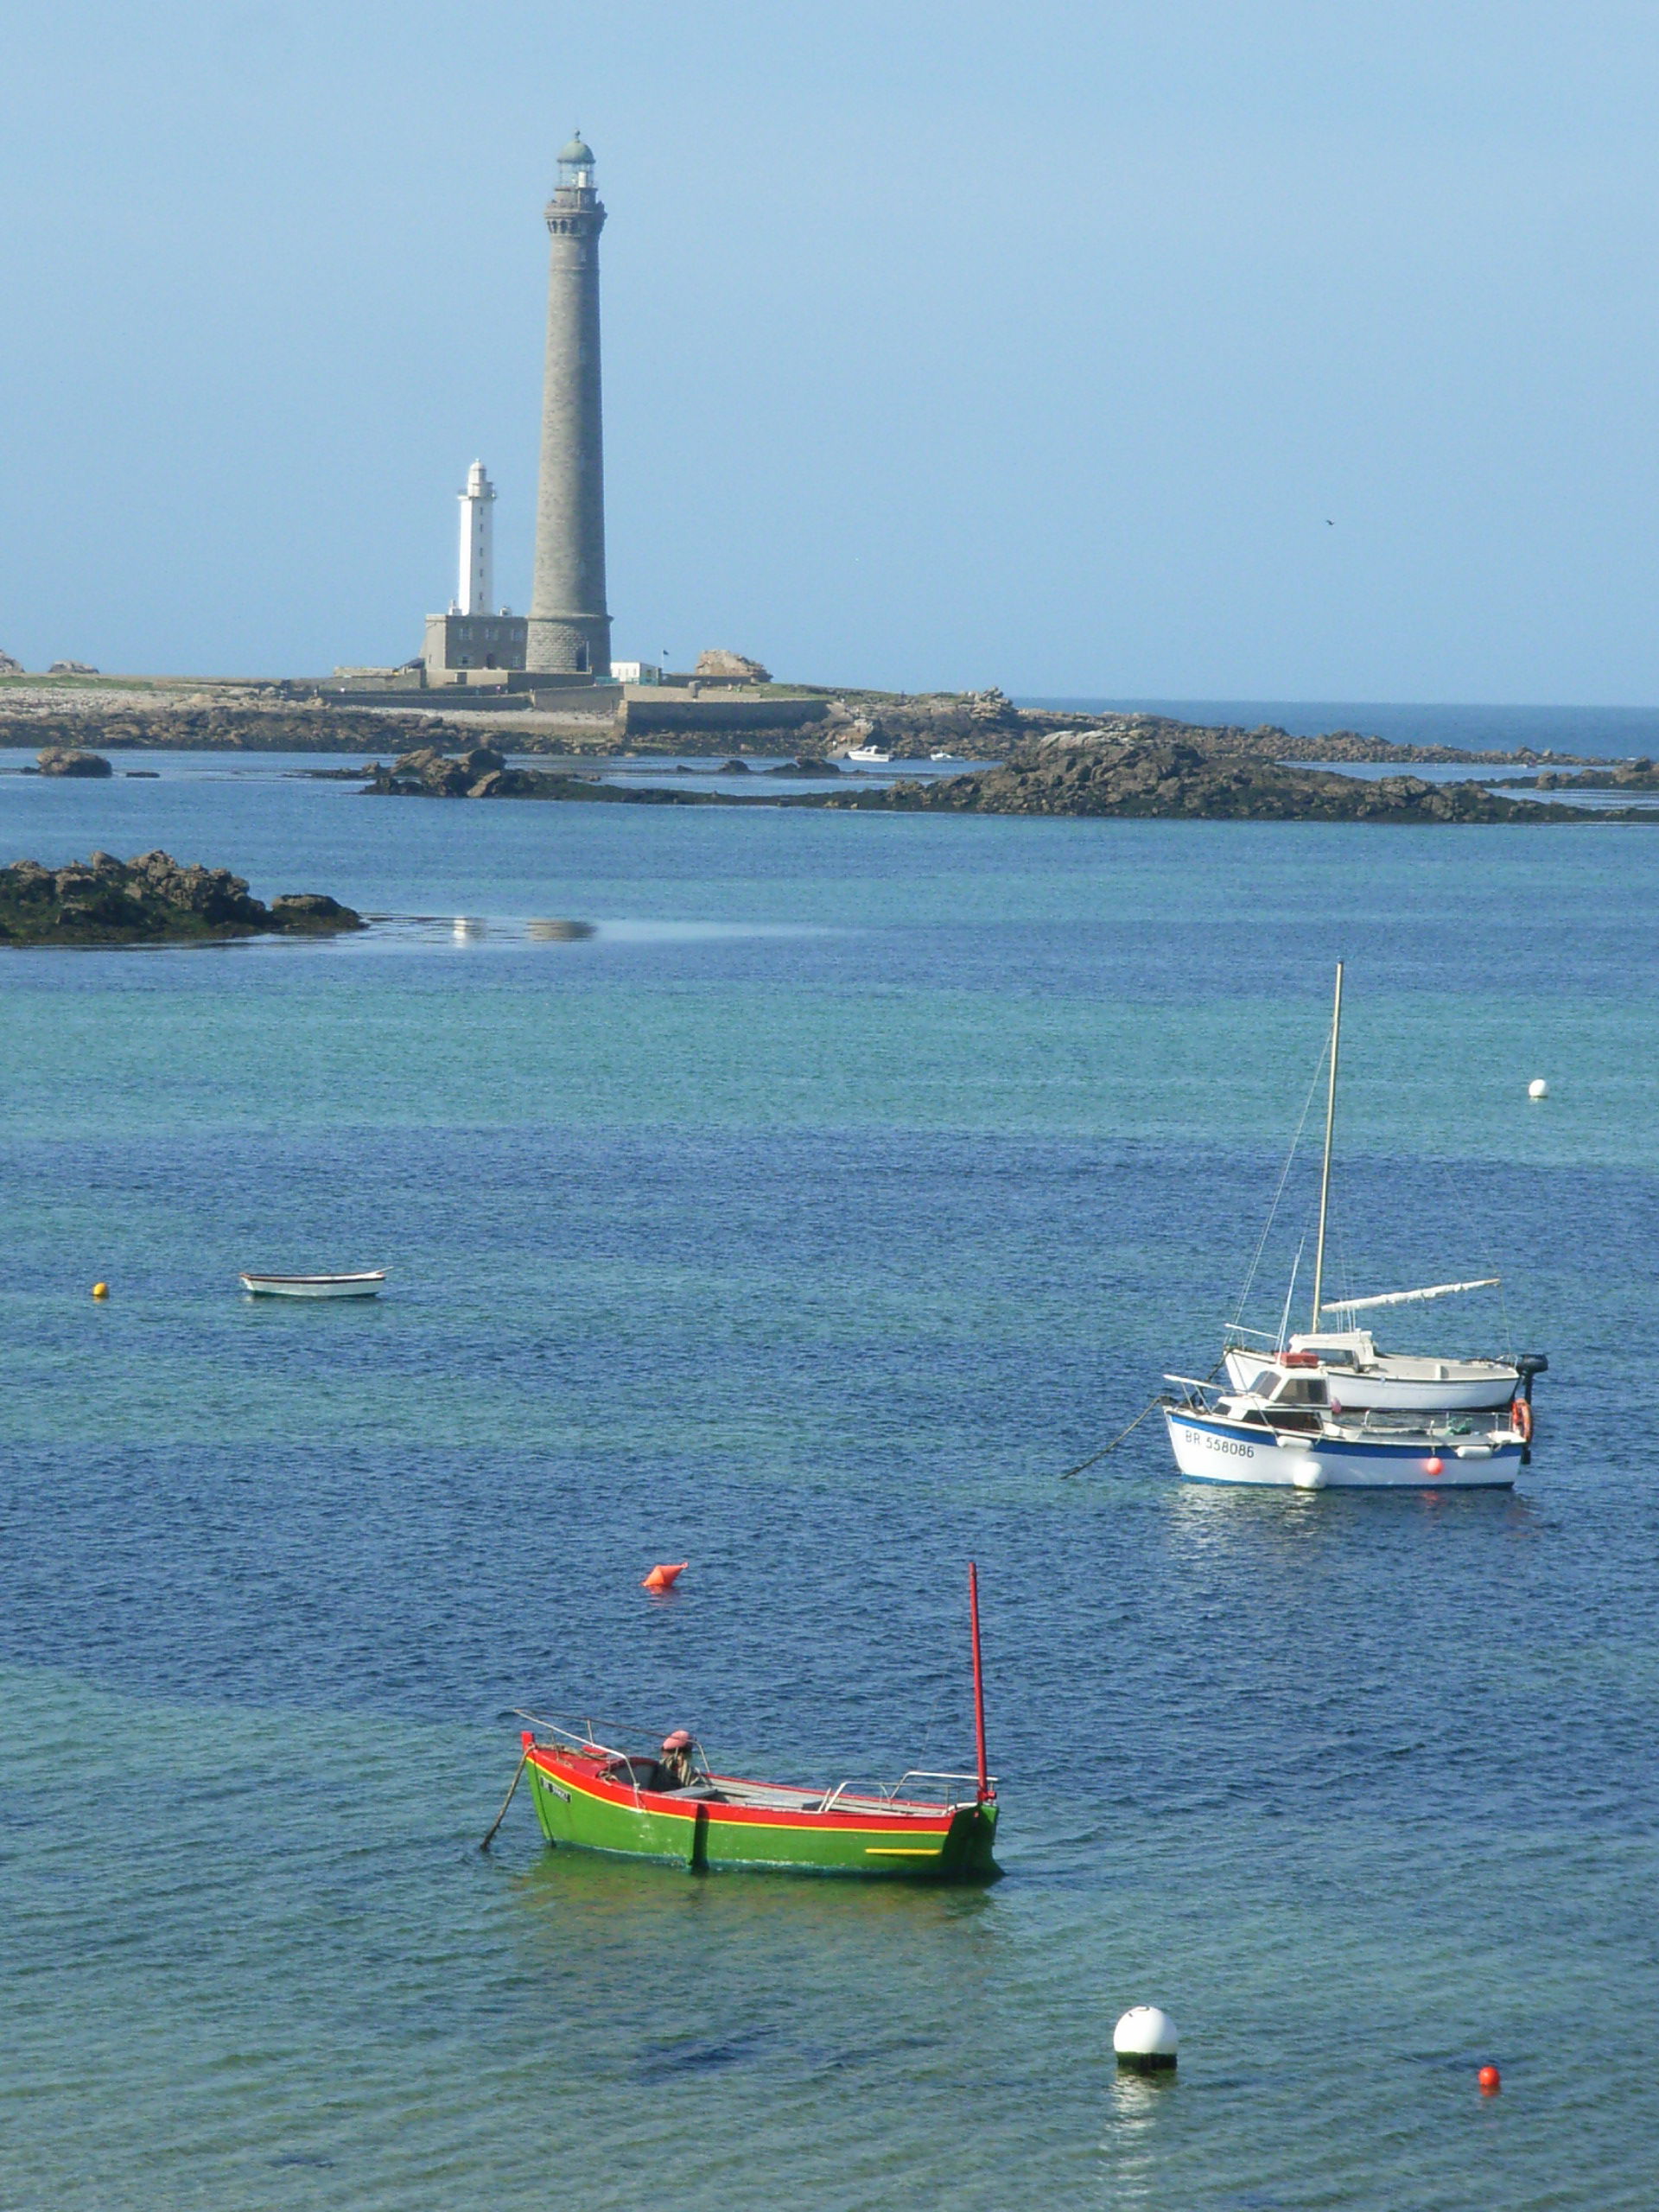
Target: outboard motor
[{"x": 1530, "y": 1364}]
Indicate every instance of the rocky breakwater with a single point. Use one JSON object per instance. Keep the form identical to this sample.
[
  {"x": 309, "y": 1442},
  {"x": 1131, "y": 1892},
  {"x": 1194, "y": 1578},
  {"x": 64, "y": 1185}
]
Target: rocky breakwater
[
  {"x": 66, "y": 760},
  {"x": 153, "y": 899},
  {"x": 1086, "y": 774}
]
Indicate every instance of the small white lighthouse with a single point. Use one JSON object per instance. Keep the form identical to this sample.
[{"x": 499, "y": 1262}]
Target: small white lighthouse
[{"x": 477, "y": 593}]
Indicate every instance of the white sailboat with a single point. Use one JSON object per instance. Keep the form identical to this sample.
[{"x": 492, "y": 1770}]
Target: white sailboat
[{"x": 1327, "y": 1408}]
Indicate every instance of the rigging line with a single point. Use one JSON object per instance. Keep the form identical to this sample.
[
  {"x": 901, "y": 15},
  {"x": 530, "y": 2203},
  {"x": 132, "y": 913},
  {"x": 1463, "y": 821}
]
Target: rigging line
[
  {"x": 1284, "y": 1177},
  {"x": 1485, "y": 1255}
]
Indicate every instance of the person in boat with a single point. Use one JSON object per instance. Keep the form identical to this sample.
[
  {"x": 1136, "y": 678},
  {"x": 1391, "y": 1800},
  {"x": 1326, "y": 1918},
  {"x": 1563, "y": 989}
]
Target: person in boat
[{"x": 675, "y": 1760}]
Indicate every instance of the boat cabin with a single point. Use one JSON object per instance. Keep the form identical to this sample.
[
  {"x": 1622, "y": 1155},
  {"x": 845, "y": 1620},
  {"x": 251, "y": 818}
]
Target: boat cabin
[{"x": 1285, "y": 1398}]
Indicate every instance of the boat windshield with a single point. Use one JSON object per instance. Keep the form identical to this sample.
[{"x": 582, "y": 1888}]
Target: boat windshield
[{"x": 1300, "y": 1390}]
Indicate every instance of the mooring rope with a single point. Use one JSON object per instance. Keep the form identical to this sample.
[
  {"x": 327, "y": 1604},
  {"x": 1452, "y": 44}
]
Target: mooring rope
[
  {"x": 1083, "y": 1463},
  {"x": 506, "y": 1802}
]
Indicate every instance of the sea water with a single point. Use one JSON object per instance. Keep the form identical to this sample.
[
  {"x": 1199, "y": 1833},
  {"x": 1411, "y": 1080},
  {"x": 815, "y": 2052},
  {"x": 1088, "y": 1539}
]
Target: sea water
[{"x": 851, "y": 1180}]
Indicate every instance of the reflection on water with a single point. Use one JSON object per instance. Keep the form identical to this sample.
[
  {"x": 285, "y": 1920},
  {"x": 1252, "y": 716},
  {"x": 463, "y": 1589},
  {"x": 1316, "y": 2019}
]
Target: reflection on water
[
  {"x": 557, "y": 933},
  {"x": 403, "y": 933}
]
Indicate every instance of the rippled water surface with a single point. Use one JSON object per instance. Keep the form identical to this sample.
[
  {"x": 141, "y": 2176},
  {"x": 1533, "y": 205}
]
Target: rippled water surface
[{"x": 805, "y": 1216}]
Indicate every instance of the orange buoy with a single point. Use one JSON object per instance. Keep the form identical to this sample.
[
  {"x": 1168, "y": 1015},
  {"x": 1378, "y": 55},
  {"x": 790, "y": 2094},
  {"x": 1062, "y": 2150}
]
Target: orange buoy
[
  {"x": 1433, "y": 1466},
  {"x": 100, "y": 1290},
  {"x": 1491, "y": 2080},
  {"x": 665, "y": 1578}
]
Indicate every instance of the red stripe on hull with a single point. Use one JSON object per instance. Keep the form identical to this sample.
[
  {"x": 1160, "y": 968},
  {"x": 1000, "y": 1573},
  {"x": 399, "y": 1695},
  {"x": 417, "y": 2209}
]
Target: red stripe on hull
[{"x": 580, "y": 1774}]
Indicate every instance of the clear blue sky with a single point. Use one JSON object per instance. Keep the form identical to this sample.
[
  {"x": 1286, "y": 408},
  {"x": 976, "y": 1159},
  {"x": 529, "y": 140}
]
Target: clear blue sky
[{"x": 1173, "y": 347}]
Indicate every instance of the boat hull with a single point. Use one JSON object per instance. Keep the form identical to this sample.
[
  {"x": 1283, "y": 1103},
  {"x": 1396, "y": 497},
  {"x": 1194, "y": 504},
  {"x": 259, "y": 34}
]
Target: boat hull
[
  {"x": 577, "y": 1805},
  {"x": 1359, "y": 1393},
  {"x": 363, "y": 1285},
  {"x": 1217, "y": 1451}
]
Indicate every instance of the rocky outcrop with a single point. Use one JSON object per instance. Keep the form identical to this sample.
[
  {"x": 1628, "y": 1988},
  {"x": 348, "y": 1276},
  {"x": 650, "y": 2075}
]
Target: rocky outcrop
[
  {"x": 9, "y": 666},
  {"x": 1082, "y": 775},
  {"x": 228, "y": 729},
  {"x": 981, "y": 725},
  {"x": 1623, "y": 776},
  {"x": 66, "y": 761},
  {"x": 481, "y": 772},
  {"x": 153, "y": 899},
  {"x": 719, "y": 662},
  {"x": 72, "y": 668}
]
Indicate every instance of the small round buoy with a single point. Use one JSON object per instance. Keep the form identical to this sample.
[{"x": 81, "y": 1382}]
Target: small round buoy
[
  {"x": 1433, "y": 1466},
  {"x": 665, "y": 1578},
  {"x": 1308, "y": 1474},
  {"x": 1537, "y": 1088},
  {"x": 100, "y": 1290},
  {"x": 1491, "y": 2080},
  {"x": 1145, "y": 2039}
]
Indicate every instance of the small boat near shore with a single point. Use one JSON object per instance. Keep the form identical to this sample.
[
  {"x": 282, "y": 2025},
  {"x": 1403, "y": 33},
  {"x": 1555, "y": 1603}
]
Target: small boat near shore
[
  {"x": 869, "y": 756},
  {"x": 366, "y": 1285},
  {"x": 667, "y": 1803}
]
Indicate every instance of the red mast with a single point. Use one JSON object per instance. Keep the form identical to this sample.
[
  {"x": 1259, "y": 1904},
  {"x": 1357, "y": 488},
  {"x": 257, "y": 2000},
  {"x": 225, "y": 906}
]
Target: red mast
[{"x": 985, "y": 1788}]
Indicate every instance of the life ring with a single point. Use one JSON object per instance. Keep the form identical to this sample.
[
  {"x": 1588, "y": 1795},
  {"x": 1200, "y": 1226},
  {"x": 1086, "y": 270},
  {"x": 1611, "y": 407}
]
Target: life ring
[{"x": 1520, "y": 1420}]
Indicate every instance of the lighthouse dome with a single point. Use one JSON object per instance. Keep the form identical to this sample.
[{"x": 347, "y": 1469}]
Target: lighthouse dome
[{"x": 578, "y": 151}]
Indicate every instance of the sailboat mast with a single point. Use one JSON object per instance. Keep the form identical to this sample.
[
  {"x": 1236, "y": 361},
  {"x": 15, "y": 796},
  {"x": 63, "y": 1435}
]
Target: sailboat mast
[
  {"x": 979, "y": 1684},
  {"x": 1325, "y": 1172}
]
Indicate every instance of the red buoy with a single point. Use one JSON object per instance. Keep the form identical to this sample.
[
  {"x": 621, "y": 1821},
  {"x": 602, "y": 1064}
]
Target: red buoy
[
  {"x": 665, "y": 1578},
  {"x": 1491, "y": 2080},
  {"x": 1433, "y": 1466}
]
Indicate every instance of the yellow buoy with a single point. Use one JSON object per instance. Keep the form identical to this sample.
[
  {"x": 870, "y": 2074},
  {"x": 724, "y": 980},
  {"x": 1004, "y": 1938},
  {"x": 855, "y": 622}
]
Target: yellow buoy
[{"x": 100, "y": 1290}]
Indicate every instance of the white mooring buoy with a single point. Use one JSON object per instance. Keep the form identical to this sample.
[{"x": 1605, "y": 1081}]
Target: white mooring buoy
[
  {"x": 1537, "y": 1088},
  {"x": 1145, "y": 2039}
]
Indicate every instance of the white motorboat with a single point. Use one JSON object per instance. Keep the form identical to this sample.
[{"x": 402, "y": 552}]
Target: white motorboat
[
  {"x": 1288, "y": 1435},
  {"x": 869, "y": 756},
  {"x": 1352, "y": 1382},
  {"x": 366, "y": 1285}
]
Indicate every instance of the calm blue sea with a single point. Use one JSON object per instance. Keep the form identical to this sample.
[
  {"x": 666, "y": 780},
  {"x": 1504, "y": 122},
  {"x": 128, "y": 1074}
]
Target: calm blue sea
[{"x": 855, "y": 1179}]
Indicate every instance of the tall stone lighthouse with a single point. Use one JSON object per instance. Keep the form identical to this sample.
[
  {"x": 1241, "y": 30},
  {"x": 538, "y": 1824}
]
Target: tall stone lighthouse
[{"x": 570, "y": 630}]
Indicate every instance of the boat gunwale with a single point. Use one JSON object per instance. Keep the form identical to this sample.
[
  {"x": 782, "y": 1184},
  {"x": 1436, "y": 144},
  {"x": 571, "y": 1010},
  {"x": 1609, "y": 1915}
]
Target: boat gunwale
[
  {"x": 900, "y": 1815},
  {"x": 1345, "y": 1445}
]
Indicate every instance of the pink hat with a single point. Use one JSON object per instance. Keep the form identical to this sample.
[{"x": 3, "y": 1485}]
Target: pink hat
[{"x": 679, "y": 1741}]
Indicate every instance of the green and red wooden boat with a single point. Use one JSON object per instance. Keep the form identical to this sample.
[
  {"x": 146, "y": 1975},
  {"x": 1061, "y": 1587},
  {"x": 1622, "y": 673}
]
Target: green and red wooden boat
[{"x": 671, "y": 1806}]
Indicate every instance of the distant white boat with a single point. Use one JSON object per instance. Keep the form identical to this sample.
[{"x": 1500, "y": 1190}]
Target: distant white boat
[
  {"x": 870, "y": 753},
  {"x": 359, "y": 1286},
  {"x": 944, "y": 756}
]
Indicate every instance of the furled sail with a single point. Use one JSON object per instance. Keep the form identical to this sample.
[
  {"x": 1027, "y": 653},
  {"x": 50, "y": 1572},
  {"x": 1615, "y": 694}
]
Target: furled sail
[{"x": 1408, "y": 1297}]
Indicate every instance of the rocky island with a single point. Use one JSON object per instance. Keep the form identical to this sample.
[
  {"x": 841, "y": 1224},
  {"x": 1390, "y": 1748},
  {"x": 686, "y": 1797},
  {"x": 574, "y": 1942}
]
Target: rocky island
[
  {"x": 482, "y": 772},
  {"x": 152, "y": 900},
  {"x": 1093, "y": 774},
  {"x": 1073, "y": 773}
]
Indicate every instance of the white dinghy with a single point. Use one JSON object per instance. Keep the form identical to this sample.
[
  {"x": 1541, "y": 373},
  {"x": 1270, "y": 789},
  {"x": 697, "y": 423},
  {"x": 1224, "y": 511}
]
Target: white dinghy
[{"x": 366, "y": 1285}]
